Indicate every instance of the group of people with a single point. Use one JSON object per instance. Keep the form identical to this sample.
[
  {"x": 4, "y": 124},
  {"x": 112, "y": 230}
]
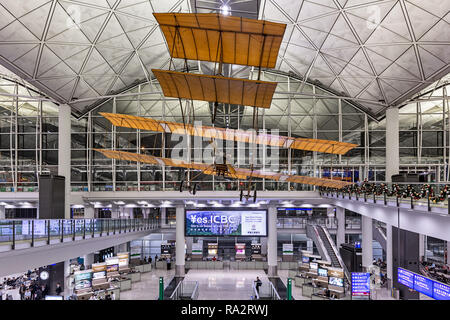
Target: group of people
[
  {"x": 400, "y": 191},
  {"x": 437, "y": 272},
  {"x": 28, "y": 285}
]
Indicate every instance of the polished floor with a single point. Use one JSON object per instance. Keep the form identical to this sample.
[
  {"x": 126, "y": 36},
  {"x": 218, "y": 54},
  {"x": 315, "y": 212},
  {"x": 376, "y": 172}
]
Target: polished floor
[
  {"x": 225, "y": 284},
  {"x": 219, "y": 285},
  {"x": 148, "y": 287}
]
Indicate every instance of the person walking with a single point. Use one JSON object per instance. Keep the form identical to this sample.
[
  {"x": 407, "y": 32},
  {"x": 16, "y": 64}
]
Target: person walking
[
  {"x": 258, "y": 284},
  {"x": 22, "y": 290},
  {"x": 58, "y": 289}
]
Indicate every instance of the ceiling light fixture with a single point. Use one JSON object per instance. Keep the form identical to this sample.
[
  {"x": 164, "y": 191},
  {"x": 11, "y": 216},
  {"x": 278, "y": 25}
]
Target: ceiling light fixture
[{"x": 225, "y": 10}]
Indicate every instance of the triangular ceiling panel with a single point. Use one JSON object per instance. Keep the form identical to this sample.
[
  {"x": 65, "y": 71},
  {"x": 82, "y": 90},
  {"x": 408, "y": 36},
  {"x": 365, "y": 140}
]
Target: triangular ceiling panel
[
  {"x": 359, "y": 61},
  {"x": 15, "y": 51},
  {"x": 36, "y": 19},
  {"x": 72, "y": 55},
  {"x": 395, "y": 22},
  {"x": 342, "y": 30},
  {"x": 110, "y": 42},
  {"x": 113, "y": 35},
  {"x": 423, "y": 20},
  {"x": 437, "y": 7},
  {"x": 310, "y": 10},
  {"x": 142, "y": 9},
  {"x": 5, "y": 17},
  {"x": 16, "y": 32},
  {"x": 431, "y": 64},
  {"x": 20, "y": 8},
  {"x": 27, "y": 62}
]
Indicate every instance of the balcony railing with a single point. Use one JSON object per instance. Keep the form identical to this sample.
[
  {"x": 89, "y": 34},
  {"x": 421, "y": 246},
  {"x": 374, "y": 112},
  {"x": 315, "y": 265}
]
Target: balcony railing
[
  {"x": 19, "y": 234},
  {"x": 439, "y": 198},
  {"x": 301, "y": 222}
]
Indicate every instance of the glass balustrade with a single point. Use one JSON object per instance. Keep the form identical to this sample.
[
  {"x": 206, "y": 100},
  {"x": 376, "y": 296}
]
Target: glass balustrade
[{"x": 15, "y": 232}]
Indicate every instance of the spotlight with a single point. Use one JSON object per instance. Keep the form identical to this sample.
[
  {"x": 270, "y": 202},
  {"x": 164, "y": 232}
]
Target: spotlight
[{"x": 225, "y": 10}]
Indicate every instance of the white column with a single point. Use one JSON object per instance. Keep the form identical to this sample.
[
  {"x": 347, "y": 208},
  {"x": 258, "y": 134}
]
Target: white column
[
  {"x": 309, "y": 245},
  {"x": 392, "y": 143},
  {"x": 340, "y": 236},
  {"x": 163, "y": 216},
  {"x": 64, "y": 131},
  {"x": 448, "y": 253},
  {"x": 272, "y": 242},
  {"x": 189, "y": 241},
  {"x": 68, "y": 287},
  {"x": 179, "y": 241},
  {"x": 264, "y": 246},
  {"x": 389, "y": 258},
  {"x": 367, "y": 246},
  {"x": 114, "y": 211},
  {"x": 89, "y": 212},
  {"x": 421, "y": 246},
  {"x": 2, "y": 212},
  {"x": 88, "y": 260}
]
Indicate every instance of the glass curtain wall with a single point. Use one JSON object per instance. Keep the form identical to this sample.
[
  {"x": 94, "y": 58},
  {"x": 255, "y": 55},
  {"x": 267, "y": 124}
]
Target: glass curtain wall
[{"x": 29, "y": 138}]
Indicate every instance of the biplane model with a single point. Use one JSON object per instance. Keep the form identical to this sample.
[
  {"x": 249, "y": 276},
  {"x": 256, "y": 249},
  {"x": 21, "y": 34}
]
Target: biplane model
[
  {"x": 222, "y": 40},
  {"x": 224, "y": 169}
]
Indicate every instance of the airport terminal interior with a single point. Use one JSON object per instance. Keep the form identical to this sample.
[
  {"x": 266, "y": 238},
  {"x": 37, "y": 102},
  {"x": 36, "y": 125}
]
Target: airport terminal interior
[{"x": 224, "y": 150}]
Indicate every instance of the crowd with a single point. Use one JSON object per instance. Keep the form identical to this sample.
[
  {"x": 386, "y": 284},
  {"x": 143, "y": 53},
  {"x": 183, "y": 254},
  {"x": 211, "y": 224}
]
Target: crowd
[
  {"x": 396, "y": 190},
  {"x": 28, "y": 287},
  {"x": 438, "y": 272}
]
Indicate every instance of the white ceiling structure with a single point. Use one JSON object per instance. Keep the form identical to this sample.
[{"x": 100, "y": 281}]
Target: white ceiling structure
[{"x": 379, "y": 53}]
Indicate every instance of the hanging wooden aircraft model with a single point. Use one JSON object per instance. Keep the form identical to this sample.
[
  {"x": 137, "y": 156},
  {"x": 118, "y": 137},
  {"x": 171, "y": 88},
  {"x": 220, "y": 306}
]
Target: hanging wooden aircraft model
[{"x": 223, "y": 40}]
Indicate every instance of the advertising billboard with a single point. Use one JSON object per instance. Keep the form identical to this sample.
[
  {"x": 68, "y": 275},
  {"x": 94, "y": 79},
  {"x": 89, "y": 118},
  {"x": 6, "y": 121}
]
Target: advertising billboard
[{"x": 226, "y": 223}]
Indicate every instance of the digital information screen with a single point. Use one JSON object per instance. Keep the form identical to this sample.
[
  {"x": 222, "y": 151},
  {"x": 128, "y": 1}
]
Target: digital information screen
[
  {"x": 429, "y": 287},
  {"x": 423, "y": 285},
  {"x": 226, "y": 223},
  {"x": 406, "y": 277},
  {"x": 360, "y": 284},
  {"x": 441, "y": 291}
]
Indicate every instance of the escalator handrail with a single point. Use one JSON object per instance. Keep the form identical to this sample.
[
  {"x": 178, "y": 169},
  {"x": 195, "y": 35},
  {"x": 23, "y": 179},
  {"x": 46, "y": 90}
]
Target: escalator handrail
[
  {"x": 341, "y": 262},
  {"x": 327, "y": 257}
]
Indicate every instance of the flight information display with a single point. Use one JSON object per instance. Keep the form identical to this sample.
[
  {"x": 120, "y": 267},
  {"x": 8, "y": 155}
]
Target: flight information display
[
  {"x": 441, "y": 291},
  {"x": 406, "y": 277},
  {"x": 360, "y": 284},
  {"x": 226, "y": 223},
  {"x": 427, "y": 286},
  {"x": 423, "y": 285}
]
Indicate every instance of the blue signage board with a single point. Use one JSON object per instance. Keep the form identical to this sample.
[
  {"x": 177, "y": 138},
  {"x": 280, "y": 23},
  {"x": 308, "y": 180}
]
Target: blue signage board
[
  {"x": 427, "y": 286},
  {"x": 360, "y": 284},
  {"x": 406, "y": 277},
  {"x": 441, "y": 291},
  {"x": 423, "y": 285}
]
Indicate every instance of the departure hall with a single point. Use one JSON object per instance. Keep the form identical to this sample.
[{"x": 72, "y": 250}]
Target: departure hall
[{"x": 224, "y": 150}]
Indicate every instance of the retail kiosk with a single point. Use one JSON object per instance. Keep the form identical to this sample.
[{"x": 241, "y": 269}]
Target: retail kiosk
[
  {"x": 99, "y": 280},
  {"x": 212, "y": 250},
  {"x": 240, "y": 251},
  {"x": 256, "y": 252}
]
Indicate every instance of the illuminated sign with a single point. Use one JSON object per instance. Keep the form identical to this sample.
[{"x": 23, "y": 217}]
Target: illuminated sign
[
  {"x": 226, "y": 223},
  {"x": 424, "y": 285},
  {"x": 360, "y": 284}
]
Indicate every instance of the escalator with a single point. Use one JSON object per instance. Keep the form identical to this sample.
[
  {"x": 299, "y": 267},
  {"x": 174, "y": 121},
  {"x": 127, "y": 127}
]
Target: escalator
[
  {"x": 326, "y": 247},
  {"x": 379, "y": 234}
]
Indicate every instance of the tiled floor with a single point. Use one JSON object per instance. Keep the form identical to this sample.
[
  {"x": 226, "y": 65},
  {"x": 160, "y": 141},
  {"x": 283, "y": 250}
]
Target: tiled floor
[
  {"x": 148, "y": 287},
  {"x": 225, "y": 284},
  {"x": 296, "y": 291},
  {"x": 213, "y": 284}
]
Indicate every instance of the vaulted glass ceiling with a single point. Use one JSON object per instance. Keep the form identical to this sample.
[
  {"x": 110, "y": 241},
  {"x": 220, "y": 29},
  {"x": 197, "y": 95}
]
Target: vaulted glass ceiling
[{"x": 377, "y": 53}]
